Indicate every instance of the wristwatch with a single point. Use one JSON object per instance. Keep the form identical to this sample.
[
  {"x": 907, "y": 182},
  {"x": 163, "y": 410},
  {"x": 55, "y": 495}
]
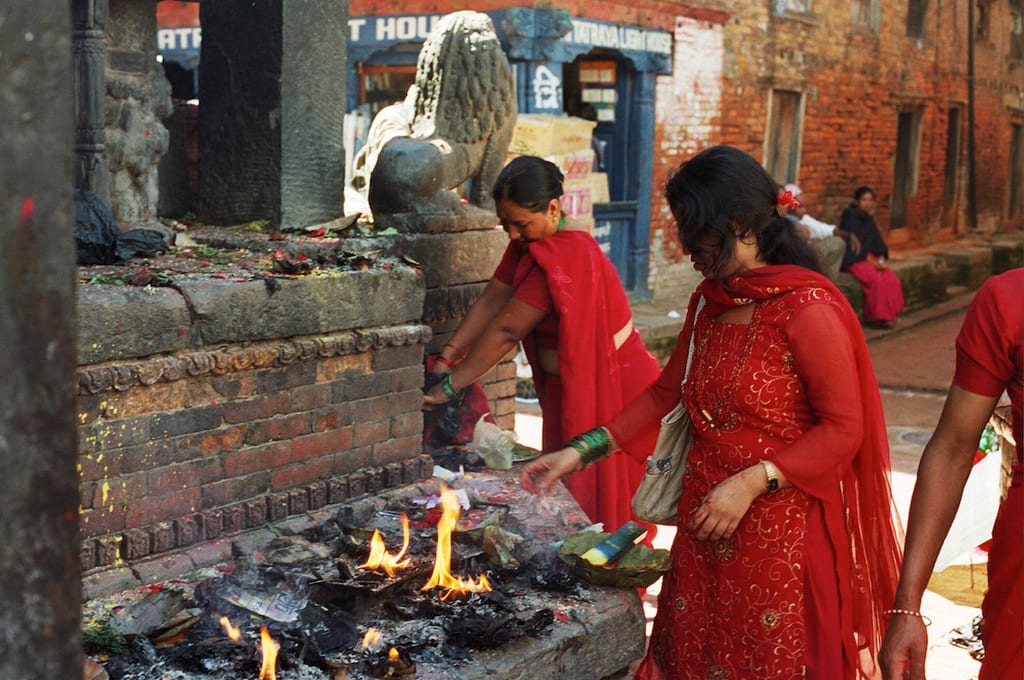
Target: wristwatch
[{"x": 772, "y": 473}]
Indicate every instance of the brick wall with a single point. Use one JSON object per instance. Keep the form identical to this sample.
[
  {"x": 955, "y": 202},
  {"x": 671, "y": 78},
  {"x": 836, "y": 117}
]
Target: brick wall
[
  {"x": 855, "y": 84},
  {"x": 202, "y": 445}
]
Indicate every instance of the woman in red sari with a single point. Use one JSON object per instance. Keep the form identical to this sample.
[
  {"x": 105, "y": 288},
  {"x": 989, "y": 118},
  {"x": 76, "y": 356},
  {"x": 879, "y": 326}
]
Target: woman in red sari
[
  {"x": 786, "y": 551},
  {"x": 557, "y": 293},
  {"x": 989, "y": 361},
  {"x": 867, "y": 260}
]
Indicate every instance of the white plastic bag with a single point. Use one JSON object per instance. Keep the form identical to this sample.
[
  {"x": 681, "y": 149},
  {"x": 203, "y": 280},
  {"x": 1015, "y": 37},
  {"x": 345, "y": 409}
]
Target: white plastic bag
[{"x": 493, "y": 444}]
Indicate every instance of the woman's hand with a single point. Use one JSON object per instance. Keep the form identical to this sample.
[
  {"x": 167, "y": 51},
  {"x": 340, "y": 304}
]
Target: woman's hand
[
  {"x": 434, "y": 397},
  {"x": 903, "y": 651},
  {"x": 540, "y": 475},
  {"x": 720, "y": 512}
]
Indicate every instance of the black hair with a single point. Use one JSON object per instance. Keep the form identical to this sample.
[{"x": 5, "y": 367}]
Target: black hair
[
  {"x": 861, "y": 191},
  {"x": 529, "y": 181},
  {"x": 721, "y": 194}
]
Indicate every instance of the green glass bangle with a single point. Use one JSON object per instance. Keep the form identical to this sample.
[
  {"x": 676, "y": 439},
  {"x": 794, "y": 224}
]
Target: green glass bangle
[
  {"x": 592, "y": 445},
  {"x": 449, "y": 391}
]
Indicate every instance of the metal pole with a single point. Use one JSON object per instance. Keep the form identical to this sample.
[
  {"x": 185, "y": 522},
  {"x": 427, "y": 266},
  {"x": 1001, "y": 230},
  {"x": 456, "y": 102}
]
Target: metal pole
[{"x": 972, "y": 205}]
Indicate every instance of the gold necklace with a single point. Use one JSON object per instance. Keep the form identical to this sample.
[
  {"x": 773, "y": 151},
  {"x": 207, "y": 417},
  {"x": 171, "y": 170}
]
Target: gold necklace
[{"x": 714, "y": 418}]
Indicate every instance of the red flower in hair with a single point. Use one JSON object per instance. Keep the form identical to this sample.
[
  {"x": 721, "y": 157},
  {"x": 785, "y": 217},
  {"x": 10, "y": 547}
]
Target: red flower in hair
[{"x": 788, "y": 200}]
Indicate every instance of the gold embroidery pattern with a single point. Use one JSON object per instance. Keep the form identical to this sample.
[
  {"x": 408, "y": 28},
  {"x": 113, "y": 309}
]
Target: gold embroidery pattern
[
  {"x": 770, "y": 619},
  {"x": 723, "y": 549}
]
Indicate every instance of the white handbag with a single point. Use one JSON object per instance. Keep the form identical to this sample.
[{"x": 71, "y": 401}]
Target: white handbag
[{"x": 657, "y": 498}]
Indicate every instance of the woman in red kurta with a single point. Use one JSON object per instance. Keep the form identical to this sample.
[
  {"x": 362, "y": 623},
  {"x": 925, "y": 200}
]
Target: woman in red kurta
[
  {"x": 557, "y": 292},
  {"x": 989, "y": 361},
  {"x": 786, "y": 549}
]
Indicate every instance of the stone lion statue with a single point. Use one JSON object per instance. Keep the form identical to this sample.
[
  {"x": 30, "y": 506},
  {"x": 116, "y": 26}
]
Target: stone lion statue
[{"x": 463, "y": 116}]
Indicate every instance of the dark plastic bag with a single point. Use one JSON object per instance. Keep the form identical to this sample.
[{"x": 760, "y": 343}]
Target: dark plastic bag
[{"x": 98, "y": 240}]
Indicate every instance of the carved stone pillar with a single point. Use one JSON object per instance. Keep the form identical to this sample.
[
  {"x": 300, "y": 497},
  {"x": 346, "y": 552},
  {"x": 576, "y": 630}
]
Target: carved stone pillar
[
  {"x": 272, "y": 96},
  {"x": 88, "y": 48}
]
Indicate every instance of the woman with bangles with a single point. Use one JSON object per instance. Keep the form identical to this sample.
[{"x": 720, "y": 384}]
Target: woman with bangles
[
  {"x": 559, "y": 294},
  {"x": 787, "y": 553}
]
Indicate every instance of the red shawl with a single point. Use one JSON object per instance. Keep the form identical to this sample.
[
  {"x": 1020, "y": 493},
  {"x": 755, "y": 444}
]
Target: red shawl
[
  {"x": 859, "y": 513},
  {"x": 591, "y": 307}
]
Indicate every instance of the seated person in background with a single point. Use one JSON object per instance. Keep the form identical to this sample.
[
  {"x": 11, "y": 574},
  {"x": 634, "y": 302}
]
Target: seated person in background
[
  {"x": 828, "y": 240},
  {"x": 883, "y": 292}
]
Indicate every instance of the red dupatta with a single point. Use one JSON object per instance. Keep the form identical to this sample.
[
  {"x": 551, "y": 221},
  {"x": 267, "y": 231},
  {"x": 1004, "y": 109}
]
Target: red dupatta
[{"x": 859, "y": 511}]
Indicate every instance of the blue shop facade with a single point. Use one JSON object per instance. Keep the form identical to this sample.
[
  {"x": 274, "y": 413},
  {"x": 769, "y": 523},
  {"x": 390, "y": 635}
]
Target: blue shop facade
[{"x": 562, "y": 65}]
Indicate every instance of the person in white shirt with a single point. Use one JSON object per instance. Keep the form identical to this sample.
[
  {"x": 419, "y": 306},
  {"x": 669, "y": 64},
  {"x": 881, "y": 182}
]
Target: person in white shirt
[{"x": 828, "y": 240}]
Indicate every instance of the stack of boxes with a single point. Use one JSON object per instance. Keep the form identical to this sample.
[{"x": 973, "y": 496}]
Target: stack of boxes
[{"x": 566, "y": 142}]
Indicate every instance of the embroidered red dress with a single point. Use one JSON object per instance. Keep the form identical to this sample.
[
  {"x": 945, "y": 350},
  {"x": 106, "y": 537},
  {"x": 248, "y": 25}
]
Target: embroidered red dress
[
  {"x": 601, "y": 366},
  {"x": 794, "y": 592}
]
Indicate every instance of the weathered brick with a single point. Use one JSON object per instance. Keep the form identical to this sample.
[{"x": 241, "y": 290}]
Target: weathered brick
[
  {"x": 410, "y": 470},
  {"x": 186, "y": 531},
  {"x": 137, "y": 544},
  {"x": 298, "y": 501},
  {"x": 278, "y": 507},
  {"x": 211, "y": 524},
  {"x": 183, "y": 476},
  {"x": 394, "y": 450},
  {"x": 87, "y": 554},
  {"x": 360, "y": 387},
  {"x": 198, "y": 419},
  {"x": 405, "y": 424},
  {"x": 100, "y": 521},
  {"x": 356, "y": 484},
  {"x": 369, "y": 433},
  {"x": 163, "y": 536},
  {"x": 108, "y": 550},
  {"x": 119, "y": 490},
  {"x": 256, "y": 512},
  {"x": 281, "y": 427},
  {"x": 253, "y": 459},
  {"x": 391, "y": 358},
  {"x": 426, "y": 466},
  {"x": 333, "y": 369},
  {"x": 229, "y": 490},
  {"x": 410, "y": 378},
  {"x": 234, "y": 519},
  {"x": 317, "y": 494},
  {"x": 320, "y": 444},
  {"x": 337, "y": 490},
  {"x": 279, "y": 379},
  {"x": 300, "y": 475},
  {"x": 153, "y": 509},
  {"x": 392, "y": 475}
]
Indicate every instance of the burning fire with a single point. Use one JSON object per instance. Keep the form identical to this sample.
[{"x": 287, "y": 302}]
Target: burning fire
[
  {"x": 442, "y": 576},
  {"x": 233, "y": 632},
  {"x": 380, "y": 558},
  {"x": 269, "y": 647},
  {"x": 371, "y": 639}
]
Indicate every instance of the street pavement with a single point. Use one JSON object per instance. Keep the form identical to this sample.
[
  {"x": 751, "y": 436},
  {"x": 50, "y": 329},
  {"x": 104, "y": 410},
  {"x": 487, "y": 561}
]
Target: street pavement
[{"x": 914, "y": 365}]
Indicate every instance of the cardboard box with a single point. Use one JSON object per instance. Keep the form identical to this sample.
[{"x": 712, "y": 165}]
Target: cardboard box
[
  {"x": 574, "y": 164},
  {"x": 543, "y": 134}
]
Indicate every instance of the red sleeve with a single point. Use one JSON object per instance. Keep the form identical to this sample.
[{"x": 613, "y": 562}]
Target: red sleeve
[
  {"x": 823, "y": 357},
  {"x": 984, "y": 347},
  {"x": 506, "y": 271},
  {"x": 532, "y": 288}
]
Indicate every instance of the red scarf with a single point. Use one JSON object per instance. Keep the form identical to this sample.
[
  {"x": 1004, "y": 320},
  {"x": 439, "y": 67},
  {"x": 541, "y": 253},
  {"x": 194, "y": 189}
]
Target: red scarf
[{"x": 859, "y": 512}]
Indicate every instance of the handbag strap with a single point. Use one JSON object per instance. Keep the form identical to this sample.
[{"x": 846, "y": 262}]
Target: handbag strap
[{"x": 693, "y": 332}]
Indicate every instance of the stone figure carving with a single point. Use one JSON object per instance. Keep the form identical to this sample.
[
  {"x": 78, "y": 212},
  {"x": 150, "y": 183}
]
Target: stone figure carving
[{"x": 464, "y": 113}]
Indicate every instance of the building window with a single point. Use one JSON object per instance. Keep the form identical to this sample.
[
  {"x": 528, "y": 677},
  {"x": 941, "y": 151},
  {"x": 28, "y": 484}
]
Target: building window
[
  {"x": 905, "y": 173},
  {"x": 782, "y": 147},
  {"x": 784, "y": 7},
  {"x": 1017, "y": 29},
  {"x": 982, "y": 20},
  {"x": 864, "y": 15},
  {"x": 917, "y": 12}
]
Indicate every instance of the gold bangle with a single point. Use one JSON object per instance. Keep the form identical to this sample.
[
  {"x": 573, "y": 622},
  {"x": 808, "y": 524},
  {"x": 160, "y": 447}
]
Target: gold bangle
[{"x": 908, "y": 612}]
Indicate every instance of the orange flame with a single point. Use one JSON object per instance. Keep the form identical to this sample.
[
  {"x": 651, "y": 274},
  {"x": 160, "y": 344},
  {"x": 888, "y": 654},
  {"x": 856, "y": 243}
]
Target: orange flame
[
  {"x": 393, "y": 654},
  {"x": 380, "y": 558},
  {"x": 442, "y": 576},
  {"x": 233, "y": 632},
  {"x": 269, "y": 647},
  {"x": 371, "y": 639}
]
